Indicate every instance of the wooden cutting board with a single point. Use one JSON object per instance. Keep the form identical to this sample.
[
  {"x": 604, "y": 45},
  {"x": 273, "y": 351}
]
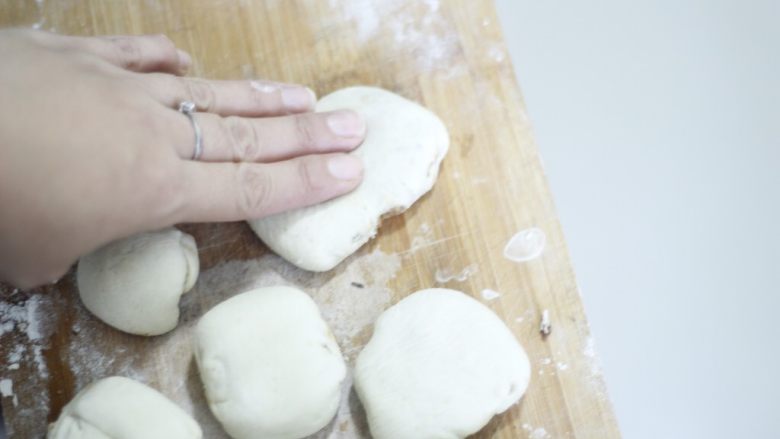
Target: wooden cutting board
[{"x": 449, "y": 56}]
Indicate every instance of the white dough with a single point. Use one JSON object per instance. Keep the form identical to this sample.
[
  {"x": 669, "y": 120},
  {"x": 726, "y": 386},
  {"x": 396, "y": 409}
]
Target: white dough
[
  {"x": 404, "y": 146},
  {"x": 439, "y": 365},
  {"x": 134, "y": 284},
  {"x": 120, "y": 408},
  {"x": 270, "y": 365}
]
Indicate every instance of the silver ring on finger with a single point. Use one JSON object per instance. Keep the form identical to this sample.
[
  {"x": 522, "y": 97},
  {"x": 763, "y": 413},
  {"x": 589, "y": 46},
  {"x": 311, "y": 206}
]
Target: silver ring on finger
[{"x": 188, "y": 109}]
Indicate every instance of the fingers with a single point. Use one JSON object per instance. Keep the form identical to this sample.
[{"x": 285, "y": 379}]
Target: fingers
[
  {"x": 144, "y": 53},
  {"x": 232, "y": 98},
  {"x": 239, "y": 191},
  {"x": 269, "y": 139}
]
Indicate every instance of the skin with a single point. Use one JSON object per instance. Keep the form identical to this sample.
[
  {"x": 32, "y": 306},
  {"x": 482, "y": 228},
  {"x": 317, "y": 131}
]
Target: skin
[{"x": 92, "y": 147}]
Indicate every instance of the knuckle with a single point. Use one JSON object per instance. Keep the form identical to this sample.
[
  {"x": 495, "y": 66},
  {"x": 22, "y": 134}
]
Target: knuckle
[
  {"x": 166, "y": 45},
  {"x": 308, "y": 184},
  {"x": 128, "y": 53},
  {"x": 202, "y": 94},
  {"x": 255, "y": 189},
  {"x": 262, "y": 94},
  {"x": 163, "y": 39},
  {"x": 304, "y": 130},
  {"x": 241, "y": 138}
]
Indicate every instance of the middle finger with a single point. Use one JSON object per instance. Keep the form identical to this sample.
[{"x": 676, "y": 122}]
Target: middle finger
[
  {"x": 271, "y": 139},
  {"x": 230, "y": 98}
]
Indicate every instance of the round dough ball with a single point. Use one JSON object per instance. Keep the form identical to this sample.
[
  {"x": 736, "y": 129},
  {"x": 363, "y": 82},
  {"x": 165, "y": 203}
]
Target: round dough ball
[
  {"x": 404, "y": 145},
  {"x": 120, "y": 408},
  {"x": 134, "y": 284},
  {"x": 270, "y": 365},
  {"x": 439, "y": 365}
]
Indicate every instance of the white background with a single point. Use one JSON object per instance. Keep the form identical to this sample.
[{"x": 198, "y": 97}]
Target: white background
[{"x": 659, "y": 126}]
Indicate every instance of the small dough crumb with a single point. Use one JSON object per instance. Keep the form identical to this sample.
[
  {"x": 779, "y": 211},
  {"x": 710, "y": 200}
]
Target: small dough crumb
[{"x": 545, "y": 327}]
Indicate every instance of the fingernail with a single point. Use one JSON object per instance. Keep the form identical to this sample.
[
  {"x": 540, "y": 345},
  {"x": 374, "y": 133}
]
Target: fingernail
[
  {"x": 185, "y": 61},
  {"x": 346, "y": 124},
  {"x": 345, "y": 167},
  {"x": 298, "y": 98}
]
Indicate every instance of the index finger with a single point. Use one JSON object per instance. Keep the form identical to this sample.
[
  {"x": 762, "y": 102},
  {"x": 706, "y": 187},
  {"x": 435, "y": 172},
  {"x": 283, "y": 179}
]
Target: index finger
[{"x": 240, "y": 191}]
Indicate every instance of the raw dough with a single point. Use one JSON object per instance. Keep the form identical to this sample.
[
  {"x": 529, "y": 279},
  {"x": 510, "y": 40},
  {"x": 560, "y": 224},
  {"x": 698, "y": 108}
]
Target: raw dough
[
  {"x": 439, "y": 365},
  {"x": 120, "y": 408},
  {"x": 270, "y": 365},
  {"x": 134, "y": 284},
  {"x": 404, "y": 146}
]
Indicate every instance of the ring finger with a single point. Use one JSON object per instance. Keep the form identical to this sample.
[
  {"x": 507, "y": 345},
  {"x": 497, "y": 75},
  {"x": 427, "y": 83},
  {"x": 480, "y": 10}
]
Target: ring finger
[
  {"x": 240, "y": 139},
  {"x": 230, "y": 98}
]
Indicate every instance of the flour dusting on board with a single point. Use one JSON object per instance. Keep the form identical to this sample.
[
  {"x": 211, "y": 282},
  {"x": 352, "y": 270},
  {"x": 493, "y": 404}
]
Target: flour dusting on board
[
  {"x": 26, "y": 317},
  {"x": 535, "y": 433},
  {"x": 422, "y": 238},
  {"x": 24, "y": 330},
  {"x": 590, "y": 354},
  {"x": 7, "y": 390},
  {"x": 596, "y": 380},
  {"x": 350, "y": 298},
  {"x": 444, "y": 275},
  {"x": 417, "y": 30},
  {"x": 489, "y": 294}
]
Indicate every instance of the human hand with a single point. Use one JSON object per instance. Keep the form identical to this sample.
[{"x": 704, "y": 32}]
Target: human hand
[{"x": 92, "y": 147}]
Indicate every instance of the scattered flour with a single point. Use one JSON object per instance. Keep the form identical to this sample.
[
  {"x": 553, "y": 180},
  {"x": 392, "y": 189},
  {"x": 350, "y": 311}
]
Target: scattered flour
[
  {"x": 596, "y": 378},
  {"x": 41, "y": 18},
  {"x": 535, "y": 433},
  {"x": 590, "y": 353},
  {"x": 489, "y": 294},
  {"x": 7, "y": 390},
  {"x": 10, "y": 316},
  {"x": 476, "y": 181},
  {"x": 497, "y": 54},
  {"x": 422, "y": 238},
  {"x": 6, "y": 387},
  {"x": 26, "y": 318},
  {"x": 33, "y": 329},
  {"x": 527, "y": 314},
  {"x": 418, "y": 30},
  {"x": 444, "y": 275}
]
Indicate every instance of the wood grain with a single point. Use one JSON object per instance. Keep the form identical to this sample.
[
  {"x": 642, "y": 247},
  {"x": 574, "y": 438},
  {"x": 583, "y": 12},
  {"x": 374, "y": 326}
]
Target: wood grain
[{"x": 447, "y": 55}]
